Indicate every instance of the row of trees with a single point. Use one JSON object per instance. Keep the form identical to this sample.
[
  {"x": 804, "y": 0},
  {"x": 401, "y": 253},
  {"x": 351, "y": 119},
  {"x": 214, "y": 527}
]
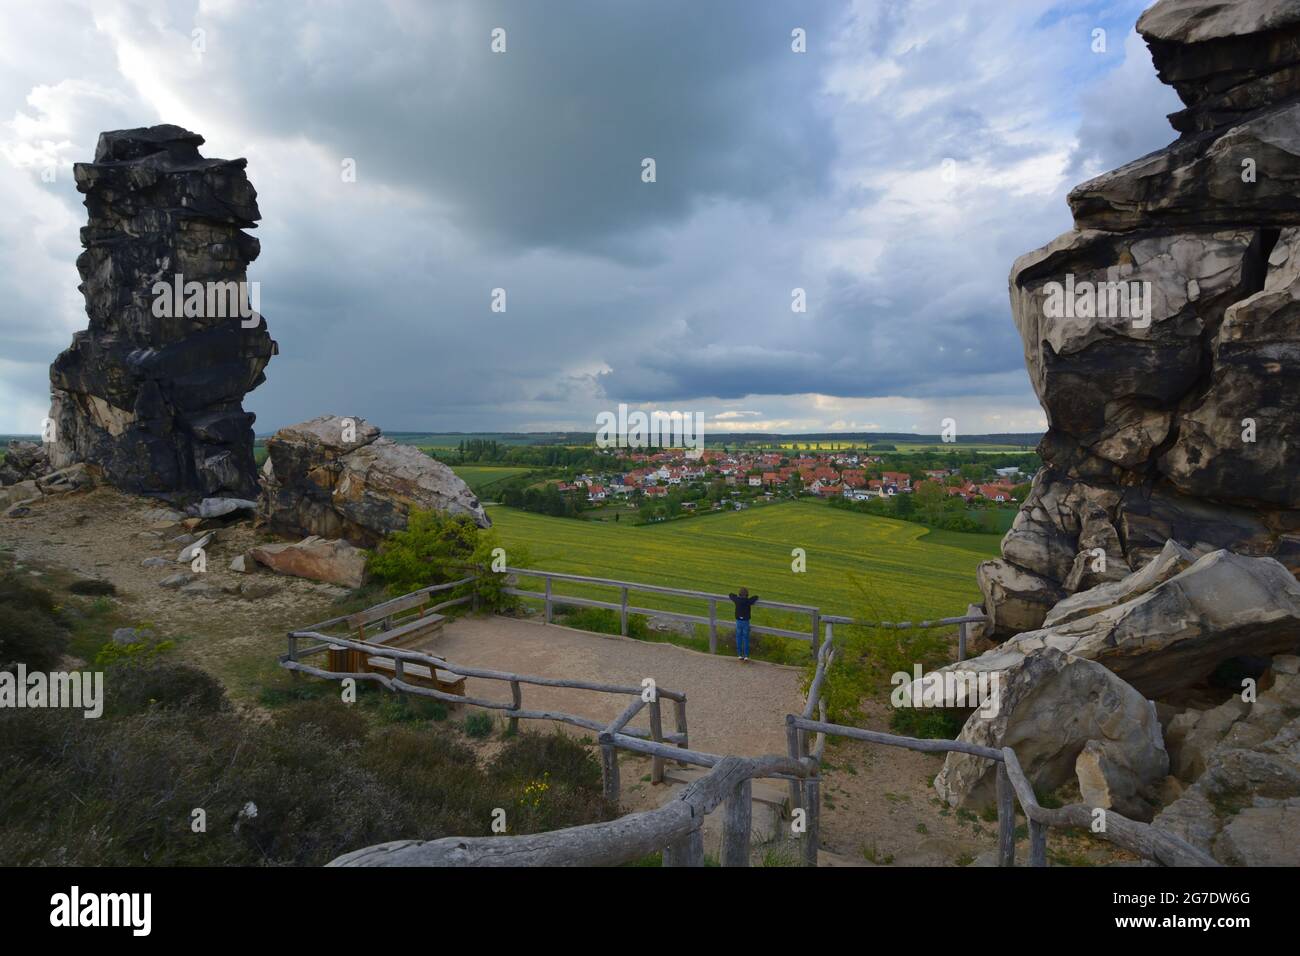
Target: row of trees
[
  {"x": 546, "y": 500},
  {"x": 490, "y": 451},
  {"x": 928, "y": 505}
]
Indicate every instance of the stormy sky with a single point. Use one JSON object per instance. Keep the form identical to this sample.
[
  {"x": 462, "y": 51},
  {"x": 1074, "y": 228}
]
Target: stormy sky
[{"x": 893, "y": 171}]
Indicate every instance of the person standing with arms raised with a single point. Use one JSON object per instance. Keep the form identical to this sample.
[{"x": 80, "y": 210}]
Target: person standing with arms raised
[{"x": 743, "y": 603}]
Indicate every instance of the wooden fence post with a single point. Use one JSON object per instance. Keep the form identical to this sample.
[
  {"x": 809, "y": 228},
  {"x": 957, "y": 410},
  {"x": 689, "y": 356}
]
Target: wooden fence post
[
  {"x": 656, "y": 734},
  {"x": 1006, "y": 817},
  {"x": 737, "y": 823},
  {"x": 622, "y": 618},
  {"x": 679, "y": 716},
  {"x": 293, "y": 655},
  {"x": 792, "y": 747},
  {"x": 815, "y": 640},
  {"x": 517, "y": 700},
  {"x": 688, "y": 851},
  {"x": 1037, "y": 843},
  {"x": 713, "y": 626},
  {"x": 548, "y": 599},
  {"x": 812, "y": 813},
  {"x": 609, "y": 767}
]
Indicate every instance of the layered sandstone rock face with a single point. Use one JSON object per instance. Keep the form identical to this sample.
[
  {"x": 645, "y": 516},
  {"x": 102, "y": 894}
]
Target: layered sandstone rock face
[
  {"x": 337, "y": 477},
  {"x": 155, "y": 401},
  {"x": 1174, "y": 413}
]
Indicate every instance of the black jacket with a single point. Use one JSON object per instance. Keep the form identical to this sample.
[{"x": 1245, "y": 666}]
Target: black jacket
[{"x": 743, "y": 604}]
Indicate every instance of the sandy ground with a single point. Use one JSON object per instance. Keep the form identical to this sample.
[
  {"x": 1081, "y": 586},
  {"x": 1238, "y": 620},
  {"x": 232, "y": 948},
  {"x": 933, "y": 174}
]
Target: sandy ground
[
  {"x": 105, "y": 534},
  {"x": 732, "y": 707}
]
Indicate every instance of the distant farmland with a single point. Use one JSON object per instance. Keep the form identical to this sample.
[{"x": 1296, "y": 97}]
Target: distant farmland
[
  {"x": 484, "y": 480},
  {"x": 907, "y": 571}
]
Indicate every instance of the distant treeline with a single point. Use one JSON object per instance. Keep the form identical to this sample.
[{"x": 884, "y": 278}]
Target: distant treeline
[
  {"x": 547, "y": 500},
  {"x": 489, "y": 451},
  {"x": 948, "y": 514}
]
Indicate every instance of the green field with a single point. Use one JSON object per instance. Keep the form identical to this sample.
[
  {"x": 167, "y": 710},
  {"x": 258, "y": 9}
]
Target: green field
[
  {"x": 856, "y": 564},
  {"x": 483, "y": 479}
]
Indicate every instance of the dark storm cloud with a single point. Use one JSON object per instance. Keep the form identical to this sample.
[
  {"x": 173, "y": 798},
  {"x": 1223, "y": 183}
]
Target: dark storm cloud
[
  {"x": 542, "y": 146},
  {"x": 477, "y": 170}
]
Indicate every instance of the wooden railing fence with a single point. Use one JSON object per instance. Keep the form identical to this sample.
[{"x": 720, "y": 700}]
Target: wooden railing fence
[
  {"x": 550, "y": 598},
  {"x": 676, "y": 828}
]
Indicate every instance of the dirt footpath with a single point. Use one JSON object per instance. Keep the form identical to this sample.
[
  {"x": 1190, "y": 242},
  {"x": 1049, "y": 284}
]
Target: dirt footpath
[
  {"x": 732, "y": 707},
  {"x": 106, "y": 534}
]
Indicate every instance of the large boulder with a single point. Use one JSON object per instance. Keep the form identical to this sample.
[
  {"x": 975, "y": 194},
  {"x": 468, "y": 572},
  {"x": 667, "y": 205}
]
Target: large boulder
[
  {"x": 335, "y": 562},
  {"x": 1161, "y": 333},
  {"x": 1243, "y": 761},
  {"x": 155, "y": 399},
  {"x": 337, "y": 477},
  {"x": 23, "y": 461},
  {"x": 1051, "y": 708},
  {"x": 1174, "y": 634}
]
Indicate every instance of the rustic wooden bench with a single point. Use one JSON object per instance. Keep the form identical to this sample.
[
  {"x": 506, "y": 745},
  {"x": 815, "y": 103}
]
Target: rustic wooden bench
[
  {"x": 381, "y": 624},
  {"x": 419, "y": 674},
  {"x": 389, "y": 624}
]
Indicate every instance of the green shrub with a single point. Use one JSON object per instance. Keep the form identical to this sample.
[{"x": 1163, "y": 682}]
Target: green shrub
[
  {"x": 300, "y": 789},
  {"x": 926, "y": 723},
  {"x": 437, "y": 548},
  {"x": 338, "y": 721},
  {"x": 408, "y": 708},
  {"x": 23, "y": 594},
  {"x": 31, "y": 626},
  {"x": 30, "y": 639},
  {"x": 529, "y": 756},
  {"x": 135, "y": 687},
  {"x": 603, "y": 621},
  {"x": 868, "y": 656},
  {"x": 479, "y": 724},
  {"x": 136, "y": 653},
  {"x": 91, "y": 586}
]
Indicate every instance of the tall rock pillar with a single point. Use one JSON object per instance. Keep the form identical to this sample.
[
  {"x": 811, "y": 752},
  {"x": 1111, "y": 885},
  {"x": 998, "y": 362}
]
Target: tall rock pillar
[{"x": 151, "y": 392}]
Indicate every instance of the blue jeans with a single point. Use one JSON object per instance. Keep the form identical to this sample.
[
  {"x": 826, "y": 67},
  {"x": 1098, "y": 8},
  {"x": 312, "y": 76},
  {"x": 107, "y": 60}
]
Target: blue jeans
[{"x": 742, "y": 638}]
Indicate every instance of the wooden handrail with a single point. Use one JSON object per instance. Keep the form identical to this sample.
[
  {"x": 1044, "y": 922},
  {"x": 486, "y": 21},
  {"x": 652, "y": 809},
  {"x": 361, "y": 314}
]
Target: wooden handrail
[
  {"x": 417, "y": 657},
  {"x": 1145, "y": 840},
  {"x": 675, "y": 827},
  {"x": 625, "y": 840},
  {"x": 431, "y": 589}
]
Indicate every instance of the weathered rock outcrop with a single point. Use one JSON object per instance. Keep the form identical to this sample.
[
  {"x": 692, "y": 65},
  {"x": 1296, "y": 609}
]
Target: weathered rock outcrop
[
  {"x": 338, "y": 477},
  {"x": 1171, "y": 635},
  {"x": 24, "y": 461},
  {"x": 1243, "y": 758},
  {"x": 1162, "y": 333},
  {"x": 1057, "y": 712},
  {"x": 15, "y": 499},
  {"x": 155, "y": 400}
]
